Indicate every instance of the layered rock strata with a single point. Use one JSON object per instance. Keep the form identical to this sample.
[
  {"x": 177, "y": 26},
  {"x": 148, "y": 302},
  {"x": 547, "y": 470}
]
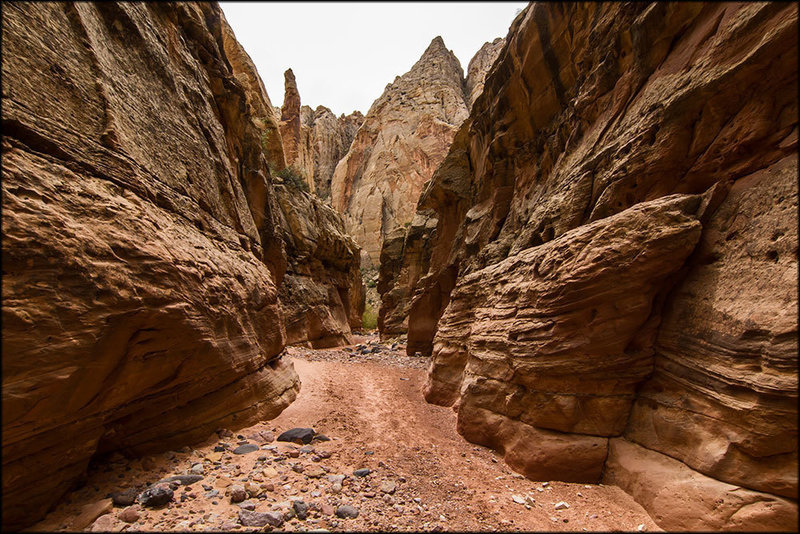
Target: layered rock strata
[
  {"x": 322, "y": 294},
  {"x": 143, "y": 244},
  {"x": 682, "y": 349},
  {"x": 404, "y": 137}
]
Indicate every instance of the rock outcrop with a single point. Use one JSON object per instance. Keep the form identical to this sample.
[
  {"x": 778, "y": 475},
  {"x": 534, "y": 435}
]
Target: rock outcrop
[
  {"x": 322, "y": 294},
  {"x": 315, "y": 140},
  {"x": 611, "y": 283},
  {"x": 479, "y": 67},
  {"x": 404, "y": 137},
  {"x": 144, "y": 245}
]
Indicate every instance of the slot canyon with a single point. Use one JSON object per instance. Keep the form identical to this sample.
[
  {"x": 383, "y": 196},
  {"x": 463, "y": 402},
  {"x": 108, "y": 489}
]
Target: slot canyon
[{"x": 555, "y": 289}]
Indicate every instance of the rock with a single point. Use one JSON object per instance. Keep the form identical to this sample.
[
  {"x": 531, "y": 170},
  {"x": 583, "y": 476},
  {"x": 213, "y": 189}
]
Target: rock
[
  {"x": 197, "y": 469},
  {"x": 185, "y": 480},
  {"x": 246, "y": 448},
  {"x": 315, "y": 472},
  {"x": 302, "y": 436},
  {"x": 260, "y": 519},
  {"x": 404, "y": 136},
  {"x": 237, "y": 493},
  {"x": 300, "y": 509},
  {"x": 561, "y": 505},
  {"x": 519, "y": 499},
  {"x": 479, "y": 66},
  {"x": 660, "y": 484},
  {"x": 388, "y": 486},
  {"x": 131, "y": 514},
  {"x": 346, "y": 511},
  {"x": 156, "y": 496},
  {"x": 252, "y": 489},
  {"x": 247, "y": 505},
  {"x": 327, "y": 509},
  {"x": 306, "y": 449},
  {"x": 364, "y": 471},
  {"x": 90, "y": 513},
  {"x": 124, "y": 498},
  {"x": 104, "y": 523},
  {"x": 267, "y": 436},
  {"x": 170, "y": 190}
]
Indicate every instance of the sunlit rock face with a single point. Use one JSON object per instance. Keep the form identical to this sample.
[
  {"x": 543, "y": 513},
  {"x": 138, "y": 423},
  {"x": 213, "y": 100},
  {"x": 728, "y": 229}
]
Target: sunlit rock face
[
  {"x": 142, "y": 250},
  {"x": 404, "y": 137},
  {"x": 606, "y": 259}
]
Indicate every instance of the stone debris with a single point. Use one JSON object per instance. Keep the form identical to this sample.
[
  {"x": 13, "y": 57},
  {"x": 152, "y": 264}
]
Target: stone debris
[
  {"x": 346, "y": 511},
  {"x": 561, "y": 505},
  {"x": 302, "y": 436},
  {"x": 156, "y": 496}
]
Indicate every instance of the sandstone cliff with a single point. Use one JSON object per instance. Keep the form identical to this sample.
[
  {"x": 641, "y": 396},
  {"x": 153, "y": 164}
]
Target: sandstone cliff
[
  {"x": 606, "y": 260},
  {"x": 144, "y": 245},
  {"x": 314, "y": 141},
  {"x": 404, "y": 137},
  {"x": 479, "y": 67},
  {"x": 322, "y": 294}
]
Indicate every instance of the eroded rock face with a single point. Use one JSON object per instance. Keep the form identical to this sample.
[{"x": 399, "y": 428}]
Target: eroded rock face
[
  {"x": 315, "y": 140},
  {"x": 141, "y": 241},
  {"x": 594, "y": 114},
  {"x": 322, "y": 295},
  {"x": 404, "y": 137},
  {"x": 479, "y": 67}
]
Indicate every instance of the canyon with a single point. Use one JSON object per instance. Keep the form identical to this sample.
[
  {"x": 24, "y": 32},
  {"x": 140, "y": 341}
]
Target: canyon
[{"x": 585, "y": 250}]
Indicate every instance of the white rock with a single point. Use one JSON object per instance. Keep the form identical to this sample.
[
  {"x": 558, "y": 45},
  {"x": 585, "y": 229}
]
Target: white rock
[
  {"x": 561, "y": 505},
  {"x": 641, "y": 528},
  {"x": 519, "y": 499}
]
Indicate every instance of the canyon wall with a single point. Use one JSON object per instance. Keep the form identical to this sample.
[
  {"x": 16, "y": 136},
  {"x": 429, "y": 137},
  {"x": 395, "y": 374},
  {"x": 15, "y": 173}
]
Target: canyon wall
[
  {"x": 144, "y": 244},
  {"x": 401, "y": 259},
  {"x": 606, "y": 260},
  {"x": 404, "y": 137},
  {"x": 314, "y": 140}
]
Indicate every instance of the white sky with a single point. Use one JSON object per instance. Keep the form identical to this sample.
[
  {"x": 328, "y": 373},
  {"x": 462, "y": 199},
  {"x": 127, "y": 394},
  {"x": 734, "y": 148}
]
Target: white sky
[{"x": 343, "y": 54}]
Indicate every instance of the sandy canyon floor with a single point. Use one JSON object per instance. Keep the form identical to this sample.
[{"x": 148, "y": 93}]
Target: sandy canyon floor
[{"x": 423, "y": 475}]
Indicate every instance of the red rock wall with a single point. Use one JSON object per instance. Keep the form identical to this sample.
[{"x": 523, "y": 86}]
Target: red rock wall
[
  {"x": 141, "y": 242},
  {"x": 594, "y": 116}
]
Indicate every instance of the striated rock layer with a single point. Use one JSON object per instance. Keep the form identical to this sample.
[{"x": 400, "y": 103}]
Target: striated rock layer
[
  {"x": 615, "y": 256},
  {"x": 479, "y": 67},
  {"x": 322, "y": 294},
  {"x": 144, "y": 246},
  {"x": 404, "y": 137}
]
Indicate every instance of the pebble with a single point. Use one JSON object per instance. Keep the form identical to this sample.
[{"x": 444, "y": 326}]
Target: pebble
[
  {"x": 238, "y": 494},
  {"x": 561, "y": 505},
  {"x": 641, "y": 527},
  {"x": 364, "y": 471},
  {"x": 327, "y": 509},
  {"x": 197, "y": 469},
  {"x": 299, "y": 435},
  {"x": 158, "y": 495},
  {"x": 300, "y": 509},
  {"x": 260, "y": 519},
  {"x": 519, "y": 499},
  {"x": 388, "y": 486},
  {"x": 130, "y": 514},
  {"x": 247, "y": 505},
  {"x": 346, "y": 511},
  {"x": 246, "y": 448}
]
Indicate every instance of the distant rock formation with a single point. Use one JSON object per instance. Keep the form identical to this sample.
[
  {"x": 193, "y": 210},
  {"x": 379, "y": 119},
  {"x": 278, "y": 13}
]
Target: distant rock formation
[
  {"x": 606, "y": 260},
  {"x": 404, "y": 137},
  {"x": 479, "y": 67},
  {"x": 314, "y": 141},
  {"x": 146, "y": 282}
]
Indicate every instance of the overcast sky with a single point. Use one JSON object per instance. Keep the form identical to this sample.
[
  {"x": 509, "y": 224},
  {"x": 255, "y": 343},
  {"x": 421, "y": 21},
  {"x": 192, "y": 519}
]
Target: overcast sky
[{"x": 343, "y": 54}]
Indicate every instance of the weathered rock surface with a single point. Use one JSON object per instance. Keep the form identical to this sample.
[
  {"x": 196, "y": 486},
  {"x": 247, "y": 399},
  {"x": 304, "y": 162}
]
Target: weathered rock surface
[
  {"x": 141, "y": 241},
  {"x": 594, "y": 114},
  {"x": 322, "y": 294},
  {"x": 315, "y": 140},
  {"x": 479, "y": 67},
  {"x": 404, "y": 137}
]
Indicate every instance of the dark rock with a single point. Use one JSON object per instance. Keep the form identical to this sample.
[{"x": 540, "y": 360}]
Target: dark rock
[
  {"x": 124, "y": 498},
  {"x": 219, "y": 448},
  {"x": 300, "y": 509},
  {"x": 158, "y": 495},
  {"x": 244, "y": 449},
  {"x": 258, "y": 519},
  {"x": 347, "y": 512},
  {"x": 302, "y": 436},
  {"x": 375, "y": 350},
  {"x": 238, "y": 493},
  {"x": 321, "y": 437},
  {"x": 186, "y": 480},
  {"x": 364, "y": 471}
]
